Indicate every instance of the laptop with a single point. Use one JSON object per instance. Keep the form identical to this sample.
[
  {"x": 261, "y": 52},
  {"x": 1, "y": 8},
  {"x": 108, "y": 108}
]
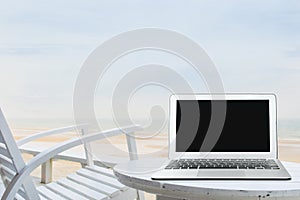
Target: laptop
[{"x": 223, "y": 136}]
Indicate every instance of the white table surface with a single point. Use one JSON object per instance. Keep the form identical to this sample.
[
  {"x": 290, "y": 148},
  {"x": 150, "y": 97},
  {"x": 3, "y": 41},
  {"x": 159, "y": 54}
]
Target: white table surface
[{"x": 137, "y": 174}]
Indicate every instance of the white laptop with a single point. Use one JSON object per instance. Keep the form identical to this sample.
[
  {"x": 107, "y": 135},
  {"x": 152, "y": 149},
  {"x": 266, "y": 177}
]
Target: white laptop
[{"x": 223, "y": 136}]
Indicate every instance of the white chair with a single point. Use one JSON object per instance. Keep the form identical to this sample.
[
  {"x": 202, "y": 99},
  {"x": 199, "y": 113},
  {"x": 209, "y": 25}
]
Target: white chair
[
  {"x": 90, "y": 182},
  {"x": 75, "y": 156}
]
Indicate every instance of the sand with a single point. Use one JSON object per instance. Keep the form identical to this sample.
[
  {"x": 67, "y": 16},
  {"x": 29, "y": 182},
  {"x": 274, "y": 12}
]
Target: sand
[{"x": 289, "y": 150}]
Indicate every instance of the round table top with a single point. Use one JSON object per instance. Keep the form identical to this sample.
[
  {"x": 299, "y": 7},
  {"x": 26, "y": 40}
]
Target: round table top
[{"x": 137, "y": 174}]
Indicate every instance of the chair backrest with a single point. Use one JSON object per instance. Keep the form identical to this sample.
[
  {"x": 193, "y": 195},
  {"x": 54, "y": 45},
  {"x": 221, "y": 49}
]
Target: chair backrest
[{"x": 11, "y": 162}]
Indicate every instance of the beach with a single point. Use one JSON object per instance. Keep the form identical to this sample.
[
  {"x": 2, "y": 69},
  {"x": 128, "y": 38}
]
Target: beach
[
  {"x": 156, "y": 146},
  {"x": 289, "y": 150}
]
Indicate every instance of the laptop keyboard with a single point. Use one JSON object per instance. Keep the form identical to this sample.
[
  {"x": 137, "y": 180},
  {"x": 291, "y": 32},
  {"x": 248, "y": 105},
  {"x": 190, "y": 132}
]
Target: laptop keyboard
[{"x": 223, "y": 164}]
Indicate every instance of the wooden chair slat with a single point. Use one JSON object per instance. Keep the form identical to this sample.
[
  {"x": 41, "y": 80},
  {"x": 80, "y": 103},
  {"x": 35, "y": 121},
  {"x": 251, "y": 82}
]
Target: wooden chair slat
[
  {"x": 102, "y": 179},
  {"x": 82, "y": 190},
  {"x": 22, "y": 193},
  {"x": 108, "y": 190},
  {"x": 68, "y": 194},
  {"x": 7, "y": 162},
  {"x": 7, "y": 172},
  {"x": 3, "y": 151},
  {"x": 102, "y": 170},
  {"x": 49, "y": 194}
]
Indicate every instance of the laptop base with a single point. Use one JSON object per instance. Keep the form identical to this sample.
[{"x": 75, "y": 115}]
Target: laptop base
[{"x": 223, "y": 174}]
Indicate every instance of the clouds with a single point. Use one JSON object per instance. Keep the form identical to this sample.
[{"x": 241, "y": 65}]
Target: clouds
[
  {"x": 294, "y": 52},
  {"x": 254, "y": 44}
]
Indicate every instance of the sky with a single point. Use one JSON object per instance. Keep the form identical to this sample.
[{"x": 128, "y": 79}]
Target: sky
[{"x": 255, "y": 46}]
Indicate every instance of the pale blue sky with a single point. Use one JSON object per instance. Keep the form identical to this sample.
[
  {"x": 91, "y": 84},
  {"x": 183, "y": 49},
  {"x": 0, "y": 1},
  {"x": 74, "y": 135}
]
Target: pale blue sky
[{"x": 255, "y": 46}]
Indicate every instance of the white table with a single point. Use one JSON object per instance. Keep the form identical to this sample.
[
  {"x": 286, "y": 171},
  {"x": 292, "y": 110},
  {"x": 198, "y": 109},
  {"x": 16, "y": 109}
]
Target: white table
[{"x": 136, "y": 174}]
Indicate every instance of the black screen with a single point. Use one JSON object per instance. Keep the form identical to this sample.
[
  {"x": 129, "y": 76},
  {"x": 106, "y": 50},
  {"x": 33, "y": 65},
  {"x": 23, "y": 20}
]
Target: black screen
[{"x": 246, "y": 126}]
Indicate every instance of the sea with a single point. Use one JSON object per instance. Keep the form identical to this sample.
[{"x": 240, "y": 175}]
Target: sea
[{"x": 287, "y": 128}]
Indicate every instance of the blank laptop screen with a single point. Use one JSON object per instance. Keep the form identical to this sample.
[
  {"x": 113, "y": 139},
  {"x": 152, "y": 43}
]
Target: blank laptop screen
[{"x": 246, "y": 127}]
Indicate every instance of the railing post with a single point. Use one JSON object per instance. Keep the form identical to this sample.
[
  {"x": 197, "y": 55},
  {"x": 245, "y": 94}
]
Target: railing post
[
  {"x": 131, "y": 144},
  {"x": 46, "y": 172},
  {"x": 133, "y": 155},
  {"x": 87, "y": 148}
]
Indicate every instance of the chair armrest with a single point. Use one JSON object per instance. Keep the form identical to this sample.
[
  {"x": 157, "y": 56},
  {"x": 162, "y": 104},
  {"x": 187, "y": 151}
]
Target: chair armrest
[
  {"x": 42, "y": 157},
  {"x": 50, "y": 132}
]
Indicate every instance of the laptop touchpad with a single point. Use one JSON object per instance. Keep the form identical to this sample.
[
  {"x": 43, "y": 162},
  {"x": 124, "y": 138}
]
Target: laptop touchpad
[{"x": 220, "y": 173}]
